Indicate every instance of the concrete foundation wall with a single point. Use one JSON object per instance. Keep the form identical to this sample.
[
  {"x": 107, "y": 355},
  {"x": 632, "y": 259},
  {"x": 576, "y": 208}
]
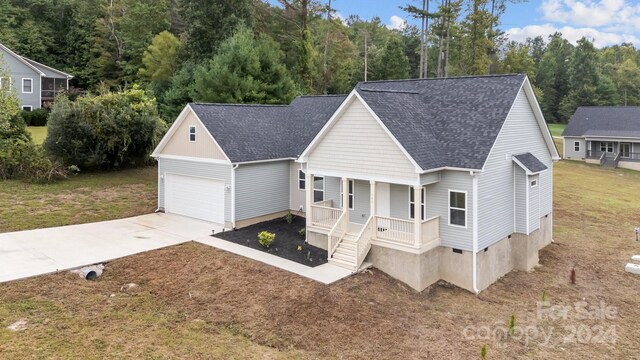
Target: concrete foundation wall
[{"x": 517, "y": 251}]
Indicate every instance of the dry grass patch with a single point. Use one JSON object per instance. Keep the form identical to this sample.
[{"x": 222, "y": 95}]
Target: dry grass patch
[
  {"x": 198, "y": 302},
  {"x": 80, "y": 199}
]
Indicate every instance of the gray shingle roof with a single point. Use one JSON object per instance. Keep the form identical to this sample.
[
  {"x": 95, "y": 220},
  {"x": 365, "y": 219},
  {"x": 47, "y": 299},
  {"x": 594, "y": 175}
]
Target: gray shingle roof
[
  {"x": 265, "y": 132},
  {"x": 531, "y": 162},
  {"x": 604, "y": 121},
  {"x": 450, "y": 122}
]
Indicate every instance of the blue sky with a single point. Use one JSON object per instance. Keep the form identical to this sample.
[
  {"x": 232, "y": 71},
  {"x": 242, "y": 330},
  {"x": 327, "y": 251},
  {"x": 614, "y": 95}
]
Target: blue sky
[{"x": 606, "y": 22}]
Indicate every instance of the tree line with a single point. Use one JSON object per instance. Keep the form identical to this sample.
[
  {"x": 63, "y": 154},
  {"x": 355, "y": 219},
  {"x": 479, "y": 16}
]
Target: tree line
[{"x": 254, "y": 51}]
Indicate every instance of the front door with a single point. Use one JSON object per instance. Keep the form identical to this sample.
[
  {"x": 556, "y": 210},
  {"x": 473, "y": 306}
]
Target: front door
[
  {"x": 625, "y": 150},
  {"x": 383, "y": 200}
]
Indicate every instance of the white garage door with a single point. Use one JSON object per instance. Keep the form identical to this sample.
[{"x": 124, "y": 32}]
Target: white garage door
[{"x": 195, "y": 197}]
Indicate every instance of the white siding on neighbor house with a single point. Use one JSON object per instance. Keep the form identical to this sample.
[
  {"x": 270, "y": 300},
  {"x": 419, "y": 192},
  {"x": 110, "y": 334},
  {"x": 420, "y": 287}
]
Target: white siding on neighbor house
[
  {"x": 198, "y": 169},
  {"x": 520, "y": 133},
  {"x": 534, "y": 204},
  {"x": 297, "y": 197},
  {"x": 520, "y": 204},
  {"x": 262, "y": 189},
  {"x": 358, "y": 147},
  {"x": 18, "y": 71},
  {"x": 569, "y": 148},
  {"x": 203, "y": 147},
  {"x": 438, "y": 205}
]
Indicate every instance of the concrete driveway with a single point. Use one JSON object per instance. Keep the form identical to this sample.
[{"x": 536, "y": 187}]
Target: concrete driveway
[{"x": 42, "y": 251}]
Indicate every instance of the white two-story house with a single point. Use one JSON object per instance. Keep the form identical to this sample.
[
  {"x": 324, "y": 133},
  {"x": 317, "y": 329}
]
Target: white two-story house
[{"x": 431, "y": 179}]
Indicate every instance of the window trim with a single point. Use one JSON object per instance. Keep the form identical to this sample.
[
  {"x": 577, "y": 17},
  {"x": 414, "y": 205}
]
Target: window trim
[
  {"x": 192, "y": 133},
  {"x": 27, "y": 106},
  {"x": 423, "y": 214},
  {"x": 352, "y": 194},
  {"x": 302, "y": 180},
  {"x": 533, "y": 183},
  {"x": 604, "y": 146},
  {"x": 576, "y": 146},
  {"x": 466, "y": 206},
  {"x": 27, "y": 92},
  {"x": 314, "y": 188}
]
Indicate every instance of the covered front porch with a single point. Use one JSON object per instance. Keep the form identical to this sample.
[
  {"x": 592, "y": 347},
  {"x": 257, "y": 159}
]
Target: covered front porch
[
  {"x": 369, "y": 213},
  {"x": 612, "y": 151}
]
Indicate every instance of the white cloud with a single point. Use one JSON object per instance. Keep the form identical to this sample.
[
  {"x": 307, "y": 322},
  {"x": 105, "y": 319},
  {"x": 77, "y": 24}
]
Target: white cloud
[
  {"x": 396, "y": 23},
  {"x": 573, "y": 34},
  {"x": 615, "y": 15}
]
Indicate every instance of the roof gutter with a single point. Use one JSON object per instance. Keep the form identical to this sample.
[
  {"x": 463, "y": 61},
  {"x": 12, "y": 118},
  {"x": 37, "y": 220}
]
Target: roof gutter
[
  {"x": 263, "y": 161},
  {"x": 452, "y": 169}
]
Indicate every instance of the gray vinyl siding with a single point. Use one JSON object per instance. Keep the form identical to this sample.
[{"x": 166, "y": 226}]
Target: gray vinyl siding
[
  {"x": 18, "y": 71},
  {"x": 569, "y": 149},
  {"x": 399, "y": 201},
  {"x": 332, "y": 190},
  {"x": 520, "y": 203},
  {"x": 520, "y": 133},
  {"x": 262, "y": 189},
  {"x": 438, "y": 205},
  {"x": 194, "y": 168},
  {"x": 430, "y": 178},
  {"x": 534, "y": 204}
]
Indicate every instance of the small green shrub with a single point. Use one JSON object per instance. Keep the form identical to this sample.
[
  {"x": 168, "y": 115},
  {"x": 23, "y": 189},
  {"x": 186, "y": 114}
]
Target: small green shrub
[
  {"x": 37, "y": 117},
  {"x": 483, "y": 352},
  {"x": 266, "y": 238},
  {"x": 289, "y": 218},
  {"x": 512, "y": 324},
  {"x": 302, "y": 232}
]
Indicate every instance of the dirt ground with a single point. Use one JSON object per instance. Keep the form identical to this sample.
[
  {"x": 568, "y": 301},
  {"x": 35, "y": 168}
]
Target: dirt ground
[{"x": 193, "y": 301}]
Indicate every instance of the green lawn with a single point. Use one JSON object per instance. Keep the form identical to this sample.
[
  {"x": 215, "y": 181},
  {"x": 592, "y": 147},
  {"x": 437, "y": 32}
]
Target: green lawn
[
  {"x": 39, "y": 133},
  {"x": 80, "y": 199},
  {"x": 557, "y": 129}
]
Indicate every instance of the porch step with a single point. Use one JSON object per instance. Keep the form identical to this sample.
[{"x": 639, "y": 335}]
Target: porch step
[{"x": 343, "y": 264}]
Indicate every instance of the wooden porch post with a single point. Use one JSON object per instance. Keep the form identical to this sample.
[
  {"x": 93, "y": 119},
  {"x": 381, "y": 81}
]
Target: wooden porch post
[
  {"x": 345, "y": 198},
  {"x": 374, "y": 207},
  {"x": 309, "y": 196},
  {"x": 417, "y": 214}
]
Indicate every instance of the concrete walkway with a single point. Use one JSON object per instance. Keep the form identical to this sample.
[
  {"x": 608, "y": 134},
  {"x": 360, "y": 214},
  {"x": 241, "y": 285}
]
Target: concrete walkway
[
  {"x": 325, "y": 273},
  {"x": 30, "y": 253},
  {"x": 36, "y": 252}
]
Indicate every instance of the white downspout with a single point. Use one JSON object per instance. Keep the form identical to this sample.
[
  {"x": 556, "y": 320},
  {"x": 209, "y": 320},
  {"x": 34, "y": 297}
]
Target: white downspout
[
  {"x": 233, "y": 195},
  {"x": 475, "y": 232}
]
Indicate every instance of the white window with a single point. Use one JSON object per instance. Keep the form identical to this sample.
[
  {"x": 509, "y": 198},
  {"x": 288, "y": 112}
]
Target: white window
[
  {"x": 27, "y": 86},
  {"x": 534, "y": 183},
  {"x": 458, "y": 208},
  {"x": 5, "y": 83},
  {"x": 412, "y": 204},
  {"x": 351, "y": 196},
  {"x": 576, "y": 146},
  {"x": 318, "y": 188},
  {"x": 192, "y": 133},
  {"x": 625, "y": 150},
  {"x": 302, "y": 180},
  {"x": 27, "y": 108},
  {"x": 606, "y": 146}
]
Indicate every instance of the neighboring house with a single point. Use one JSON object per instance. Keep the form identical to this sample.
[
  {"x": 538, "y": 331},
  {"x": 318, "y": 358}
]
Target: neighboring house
[
  {"x": 36, "y": 84},
  {"x": 443, "y": 178},
  {"x": 605, "y": 135}
]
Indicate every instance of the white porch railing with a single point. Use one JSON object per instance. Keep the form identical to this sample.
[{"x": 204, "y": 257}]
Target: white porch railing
[
  {"x": 325, "y": 203},
  {"x": 337, "y": 233},
  {"x": 324, "y": 216},
  {"x": 363, "y": 242},
  {"x": 395, "y": 230}
]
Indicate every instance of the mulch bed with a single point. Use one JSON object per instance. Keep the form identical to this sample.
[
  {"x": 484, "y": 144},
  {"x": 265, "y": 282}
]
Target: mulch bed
[{"x": 285, "y": 244}]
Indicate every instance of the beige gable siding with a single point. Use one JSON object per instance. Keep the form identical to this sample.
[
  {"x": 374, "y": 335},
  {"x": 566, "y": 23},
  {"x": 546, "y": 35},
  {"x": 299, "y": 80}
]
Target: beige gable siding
[
  {"x": 358, "y": 147},
  {"x": 203, "y": 147}
]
